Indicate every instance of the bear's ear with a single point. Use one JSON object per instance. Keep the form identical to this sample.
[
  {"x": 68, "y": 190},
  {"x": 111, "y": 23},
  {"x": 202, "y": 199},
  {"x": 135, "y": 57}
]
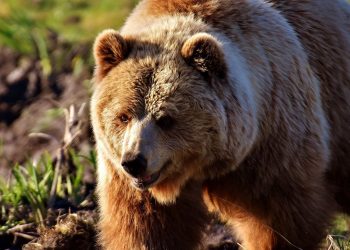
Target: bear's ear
[
  {"x": 110, "y": 49},
  {"x": 203, "y": 52}
]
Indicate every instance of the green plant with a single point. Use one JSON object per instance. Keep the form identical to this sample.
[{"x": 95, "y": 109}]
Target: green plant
[
  {"x": 25, "y": 197},
  {"x": 339, "y": 239},
  {"x": 15, "y": 29},
  {"x": 338, "y": 242},
  {"x": 74, "y": 21}
]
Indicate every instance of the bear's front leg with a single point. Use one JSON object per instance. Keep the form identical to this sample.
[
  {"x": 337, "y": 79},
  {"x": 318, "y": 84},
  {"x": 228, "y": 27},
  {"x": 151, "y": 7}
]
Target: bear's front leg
[
  {"x": 250, "y": 231},
  {"x": 132, "y": 219},
  {"x": 279, "y": 217}
]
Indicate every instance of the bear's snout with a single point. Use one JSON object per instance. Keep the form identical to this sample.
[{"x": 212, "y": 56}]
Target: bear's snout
[{"x": 135, "y": 165}]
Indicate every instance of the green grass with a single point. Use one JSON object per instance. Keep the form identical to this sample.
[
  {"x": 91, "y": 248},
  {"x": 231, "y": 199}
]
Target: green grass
[
  {"x": 340, "y": 233},
  {"x": 25, "y": 197},
  {"x": 26, "y": 25}
]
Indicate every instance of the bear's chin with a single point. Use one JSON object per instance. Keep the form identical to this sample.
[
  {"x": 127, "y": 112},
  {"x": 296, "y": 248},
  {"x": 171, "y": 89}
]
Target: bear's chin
[
  {"x": 168, "y": 189},
  {"x": 165, "y": 193}
]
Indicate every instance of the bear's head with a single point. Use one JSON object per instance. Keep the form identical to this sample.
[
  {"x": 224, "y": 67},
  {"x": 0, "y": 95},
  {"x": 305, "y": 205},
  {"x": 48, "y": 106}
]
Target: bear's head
[{"x": 158, "y": 108}]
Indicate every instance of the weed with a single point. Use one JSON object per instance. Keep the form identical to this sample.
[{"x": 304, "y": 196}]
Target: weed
[
  {"x": 339, "y": 237},
  {"x": 25, "y": 198}
]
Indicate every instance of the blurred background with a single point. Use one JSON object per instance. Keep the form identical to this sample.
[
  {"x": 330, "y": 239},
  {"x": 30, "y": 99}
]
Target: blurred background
[{"x": 45, "y": 65}]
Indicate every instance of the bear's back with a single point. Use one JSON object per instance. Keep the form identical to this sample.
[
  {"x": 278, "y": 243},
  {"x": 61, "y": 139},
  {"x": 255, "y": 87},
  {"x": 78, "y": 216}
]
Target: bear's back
[{"x": 323, "y": 28}]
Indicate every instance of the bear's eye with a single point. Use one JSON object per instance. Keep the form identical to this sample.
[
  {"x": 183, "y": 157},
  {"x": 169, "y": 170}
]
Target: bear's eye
[
  {"x": 124, "y": 118},
  {"x": 165, "y": 122}
]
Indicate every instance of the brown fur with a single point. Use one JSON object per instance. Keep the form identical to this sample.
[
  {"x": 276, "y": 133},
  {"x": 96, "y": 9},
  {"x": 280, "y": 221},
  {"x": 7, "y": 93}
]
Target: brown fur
[
  {"x": 260, "y": 109},
  {"x": 324, "y": 30}
]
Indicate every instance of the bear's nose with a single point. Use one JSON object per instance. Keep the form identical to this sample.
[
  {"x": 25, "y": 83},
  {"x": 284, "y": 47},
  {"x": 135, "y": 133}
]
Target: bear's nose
[{"x": 135, "y": 166}]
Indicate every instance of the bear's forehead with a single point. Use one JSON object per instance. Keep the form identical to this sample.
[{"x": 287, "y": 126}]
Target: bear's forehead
[
  {"x": 160, "y": 92},
  {"x": 147, "y": 82},
  {"x": 165, "y": 87},
  {"x": 145, "y": 89}
]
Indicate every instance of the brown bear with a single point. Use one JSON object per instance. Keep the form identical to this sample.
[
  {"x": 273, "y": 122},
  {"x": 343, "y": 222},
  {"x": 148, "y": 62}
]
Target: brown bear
[{"x": 244, "y": 103}]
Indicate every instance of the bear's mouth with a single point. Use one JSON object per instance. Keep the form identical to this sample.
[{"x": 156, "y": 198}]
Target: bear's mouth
[{"x": 146, "y": 182}]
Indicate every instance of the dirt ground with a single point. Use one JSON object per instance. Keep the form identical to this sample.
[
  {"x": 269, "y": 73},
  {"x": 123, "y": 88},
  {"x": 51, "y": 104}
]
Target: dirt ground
[{"x": 30, "y": 102}]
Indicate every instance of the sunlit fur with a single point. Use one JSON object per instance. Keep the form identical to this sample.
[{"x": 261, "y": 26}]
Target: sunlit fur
[{"x": 259, "y": 94}]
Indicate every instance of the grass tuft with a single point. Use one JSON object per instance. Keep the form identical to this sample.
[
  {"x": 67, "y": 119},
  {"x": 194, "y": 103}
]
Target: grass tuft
[{"x": 25, "y": 197}]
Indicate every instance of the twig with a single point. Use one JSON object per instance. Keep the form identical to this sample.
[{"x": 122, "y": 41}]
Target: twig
[
  {"x": 71, "y": 139},
  {"x": 20, "y": 228},
  {"x": 333, "y": 245},
  {"x": 81, "y": 110},
  {"x": 23, "y": 235},
  {"x": 58, "y": 166},
  {"x": 44, "y": 136},
  {"x": 72, "y": 130},
  {"x": 240, "y": 245}
]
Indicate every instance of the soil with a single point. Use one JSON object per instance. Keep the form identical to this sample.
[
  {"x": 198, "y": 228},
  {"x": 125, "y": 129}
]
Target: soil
[{"x": 26, "y": 98}]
